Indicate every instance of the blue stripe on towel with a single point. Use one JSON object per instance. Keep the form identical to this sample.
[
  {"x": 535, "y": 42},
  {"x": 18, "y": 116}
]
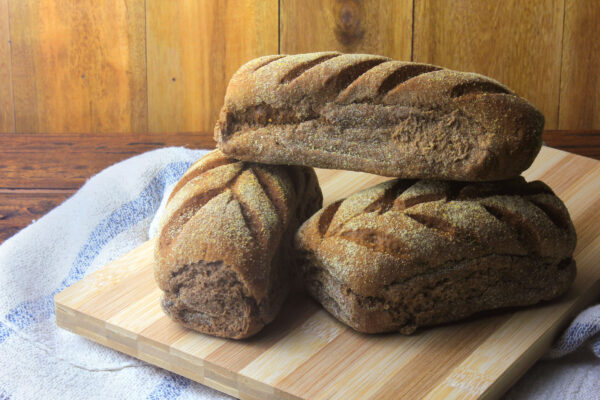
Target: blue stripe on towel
[
  {"x": 146, "y": 204},
  {"x": 4, "y": 394},
  {"x": 5, "y": 332},
  {"x": 171, "y": 387},
  {"x": 578, "y": 333}
]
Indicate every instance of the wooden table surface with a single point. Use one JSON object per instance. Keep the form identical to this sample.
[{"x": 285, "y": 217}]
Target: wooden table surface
[{"x": 39, "y": 171}]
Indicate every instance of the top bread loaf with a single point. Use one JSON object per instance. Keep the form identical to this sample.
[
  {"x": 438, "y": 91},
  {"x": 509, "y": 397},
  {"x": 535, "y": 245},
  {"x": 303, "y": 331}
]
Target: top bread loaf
[{"x": 369, "y": 113}]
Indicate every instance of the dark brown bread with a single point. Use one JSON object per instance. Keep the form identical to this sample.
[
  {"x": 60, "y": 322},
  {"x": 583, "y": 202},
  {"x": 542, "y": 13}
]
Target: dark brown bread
[
  {"x": 406, "y": 254},
  {"x": 224, "y": 257},
  {"x": 369, "y": 113}
]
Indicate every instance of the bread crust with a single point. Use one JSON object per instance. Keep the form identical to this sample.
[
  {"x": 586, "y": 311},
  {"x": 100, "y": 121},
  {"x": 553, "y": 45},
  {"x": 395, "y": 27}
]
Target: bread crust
[
  {"x": 411, "y": 253},
  {"x": 224, "y": 256},
  {"x": 369, "y": 113}
]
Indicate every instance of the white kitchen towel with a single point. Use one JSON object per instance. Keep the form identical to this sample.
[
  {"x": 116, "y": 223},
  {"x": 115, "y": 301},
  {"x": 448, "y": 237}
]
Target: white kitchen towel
[
  {"x": 107, "y": 217},
  {"x": 112, "y": 214}
]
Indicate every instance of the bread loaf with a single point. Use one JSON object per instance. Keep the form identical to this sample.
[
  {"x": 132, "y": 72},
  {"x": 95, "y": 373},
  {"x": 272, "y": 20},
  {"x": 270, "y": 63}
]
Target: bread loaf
[
  {"x": 224, "y": 254},
  {"x": 406, "y": 253},
  {"x": 369, "y": 113}
]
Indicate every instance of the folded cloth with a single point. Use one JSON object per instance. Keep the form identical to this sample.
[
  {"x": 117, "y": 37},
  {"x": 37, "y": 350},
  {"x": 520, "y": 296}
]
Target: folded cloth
[
  {"x": 110, "y": 215},
  {"x": 107, "y": 217}
]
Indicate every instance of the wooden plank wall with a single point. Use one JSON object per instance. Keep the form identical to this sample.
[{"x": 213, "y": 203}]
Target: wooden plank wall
[
  {"x": 78, "y": 66},
  {"x": 152, "y": 67},
  {"x": 372, "y": 26},
  {"x": 193, "y": 49},
  {"x": 7, "y": 109},
  {"x": 479, "y": 36},
  {"x": 580, "y": 76}
]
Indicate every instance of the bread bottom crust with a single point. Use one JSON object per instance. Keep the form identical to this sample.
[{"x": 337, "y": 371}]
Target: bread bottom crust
[
  {"x": 414, "y": 148},
  {"x": 450, "y": 293}
]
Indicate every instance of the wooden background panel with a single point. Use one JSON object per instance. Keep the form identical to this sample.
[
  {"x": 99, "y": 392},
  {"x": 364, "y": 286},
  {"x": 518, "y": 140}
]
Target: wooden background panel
[
  {"x": 79, "y": 66},
  {"x": 19, "y": 208},
  {"x": 193, "y": 49},
  {"x": 67, "y": 160},
  {"x": 580, "y": 77},
  {"x": 7, "y": 111},
  {"x": 585, "y": 142},
  {"x": 516, "y": 42},
  {"x": 372, "y": 26}
]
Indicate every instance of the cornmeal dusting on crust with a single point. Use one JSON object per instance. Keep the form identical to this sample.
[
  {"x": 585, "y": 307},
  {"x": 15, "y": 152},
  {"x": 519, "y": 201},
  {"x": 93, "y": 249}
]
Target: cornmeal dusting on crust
[
  {"x": 407, "y": 253},
  {"x": 232, "y": 220},
  {"x": 369, "y": 113}
]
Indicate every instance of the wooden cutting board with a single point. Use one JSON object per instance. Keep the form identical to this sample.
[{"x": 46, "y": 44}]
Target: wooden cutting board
[{"x": 306, "y": 353}]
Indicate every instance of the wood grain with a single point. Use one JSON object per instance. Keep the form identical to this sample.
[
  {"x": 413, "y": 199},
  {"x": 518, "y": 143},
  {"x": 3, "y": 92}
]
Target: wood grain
[
  {"x": 7, "y": 110},
  {"x": 66, "y": 161},
  {"x": 352, "y": 26},
  {"x": 516, "y": 42},
  {"x": 580, "y": 77},
  {"x": 19, "y": 208},
  {"x": 193, "y": 50},
  {"x": 583, "y": 142},
  {"x": 79, "y": 66},
  {"x": 136, "y": 65},
  {"x": 305, "y": 353}
]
